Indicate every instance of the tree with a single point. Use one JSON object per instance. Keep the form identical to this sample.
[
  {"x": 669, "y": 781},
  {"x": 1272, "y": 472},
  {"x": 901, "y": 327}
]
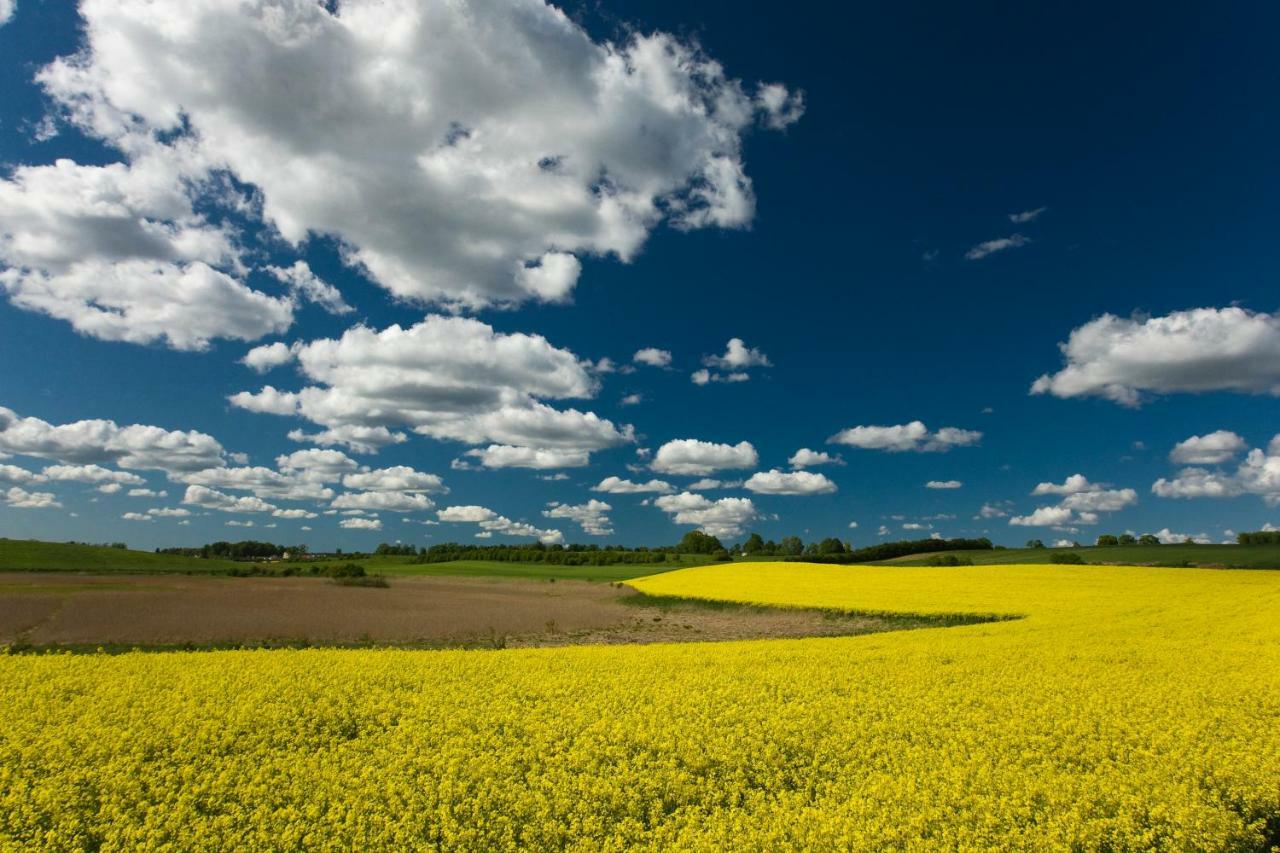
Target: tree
[
  {"x": 791, "y": 546},
  {"x": 1148, "y": 539},
  {"x": 1035, "y": 543},
  {"x": 831, "y": 546},
  {"x": 697, "y": 542},
  {"x": 1106, "y": 540},
  {"x": 754, "y": 544},
  {"x": 1127, "y": 539}
]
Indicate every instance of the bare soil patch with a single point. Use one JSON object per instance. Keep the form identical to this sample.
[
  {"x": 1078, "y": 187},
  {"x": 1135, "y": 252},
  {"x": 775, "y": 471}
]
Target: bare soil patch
[{"x": 78, "y": 611}]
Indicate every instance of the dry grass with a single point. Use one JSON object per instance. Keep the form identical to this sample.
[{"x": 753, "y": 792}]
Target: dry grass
[{"x": 86, "y": 611}]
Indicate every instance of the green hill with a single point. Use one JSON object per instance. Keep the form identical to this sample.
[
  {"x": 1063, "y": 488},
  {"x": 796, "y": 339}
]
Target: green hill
[
  {"x": 31, "y": 555},
  {"x": 1231, "y": 556}
]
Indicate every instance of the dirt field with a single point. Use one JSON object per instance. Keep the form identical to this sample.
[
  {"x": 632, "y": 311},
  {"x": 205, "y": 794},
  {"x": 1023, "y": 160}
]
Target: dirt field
[{"x": 147, "y": 610}]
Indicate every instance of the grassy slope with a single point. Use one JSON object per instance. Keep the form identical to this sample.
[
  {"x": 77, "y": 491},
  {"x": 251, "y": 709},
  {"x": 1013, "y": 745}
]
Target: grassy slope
[
  {"x": 1246, "y": 556},
  {"x": 393, "y": 567},
  {"x": 23, "y": 554}
]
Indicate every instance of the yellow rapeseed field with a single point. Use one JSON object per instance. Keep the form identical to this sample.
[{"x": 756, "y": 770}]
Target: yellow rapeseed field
[{"x": 1131, "y": 708}]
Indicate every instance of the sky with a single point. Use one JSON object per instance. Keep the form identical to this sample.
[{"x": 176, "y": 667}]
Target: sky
[{"x": 352, "y": 272}]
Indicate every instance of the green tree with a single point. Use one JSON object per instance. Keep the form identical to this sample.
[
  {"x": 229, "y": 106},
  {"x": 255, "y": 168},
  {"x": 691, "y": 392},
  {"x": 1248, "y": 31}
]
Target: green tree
[
  {"x": 1148, "y": 539},
  {"x": 791, "y": 546},
  {"x": 698, "y": 542},
  {"x": 831, "y": 546},
  {"x": 754, "y": 544},
  {"x": 1035, "y": 543},
  {"x": 1127, "y": 539},
  {"x": 1106, "y": 540}
]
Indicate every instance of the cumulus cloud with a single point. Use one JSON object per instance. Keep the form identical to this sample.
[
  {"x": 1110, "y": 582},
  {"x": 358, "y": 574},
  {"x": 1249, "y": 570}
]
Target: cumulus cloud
[
  {"x": 1072, "y": 485},
  {"x": 775, "y": 482},
  {"x": 590, "y": 516},
  {"x": 1204, "y": 349},
  {"x": 653, "y": 357},
  {"x": 708, "y": 483},
  {"x": 324, "y": 466},
  {"x": 20, "y": 498},
  {"x": 619, "y": 486},
  {"x": 1081, "y": 503},
  {"x": 7, "y": 8},
  {"x": 725, "y": 517},
  {"x": 1168, "y": 537},
  {"x": 306, "y": 286},
  {"x": 693, "y": 457},
  {"x": 1211, "y": 449},
  {"x": 508, "y": 143},
  {"x": 14, "y": 476},
  {"x": 914, "y": 436},
  {"x": 943, "y": 484},
  {"x": 806, "y": 458},
  {"x": 491, "y": 522},
  {"x": 704, "y": 376},
  {"x": 102, "y": 441},
  {"x": 118, "y": 252},
  {"x": 1000, "y": 244},
  {"x": 450, "y": 378},
  {"x": 147, "y": 493},
  {"x": 737, "y": 356},
  {"x": 361, "y": 524},
  {"x": 398, "y": 478},
  {"x": 1257, "y": 474},
  {"x": 1045, "y": 516},
  {"x": 294, "y": 485},
  {"x": 507, "y": 456},
  {"x": 268, "y": 357},
  {"x": 91, "y": 474},
  {"x": 390, "y": 501},
  {"x": 207, "y": 498}
]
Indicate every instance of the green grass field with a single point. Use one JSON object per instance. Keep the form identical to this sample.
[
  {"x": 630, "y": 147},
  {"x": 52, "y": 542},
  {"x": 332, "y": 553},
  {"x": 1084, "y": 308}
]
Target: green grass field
[
  {"x": 1239, "y": 556},
  {"x": 30, "y": 555}
]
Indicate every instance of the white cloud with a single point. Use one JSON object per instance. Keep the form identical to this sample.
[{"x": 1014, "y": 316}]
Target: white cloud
[
  {"x": 212, "y": 499},
  {"x": 708, "y": 483},
  {"x": 943, "y": 484},
  {"x": 399, "y": 478},
  {"x": 507, "y": 456},
  {"x": 1026, "y": 215},
  {"x": 1000, "y": 244},
  {"x": 294, "y": 514},
  {"x": 653, "y": 357},
  {"x": 168, "y": 512},
  {"x": 325, "y": 466},
  {"x": 147, "y": 493},
  {"x": 91, "y": 474},
  {"x": 631, "y": 400},
  {"x": 619, "y": 486},
  {"x": 775, "y": 482},
  {"x": 13, "y": 475},
  {"x": 118, "y": 252},
  {"x": 725, "y": 517},
  {"x": 590, "y": 516},
  {"x": 267, "y": 357},
  {"x": 903, "y": 437},
  {"x": 1101, "y": 500},
  {"x": 306, "y": 285},
  {"x": 491, "y": 522},
  {"x": 737, "y": 356},
  {"x": 110, "y": 488},
  {"x": 390, "y": 501},
  {"x": 697, "y": 458},
  {"x": 361, "y": 523},
  {"x": 22, "y": 499},
  {"x": 1074, "y": 484},
  {"x": 459, "y": 158},
  {"x": 98, "y": 441},
  {"x": 1257, "y": 474},
  {"x": 914, "y": 525},
  {"x": 1045, "y": 516},
  {"x": 1168, "y": 537},
  {"x": 704, "y": 376},
  {"x": 1211, "y": 449},
  {"x": 449, "y": 378},
  {"x": 237, "y": 523},
  {"x": 806, "y": 458},
  {"x": 263, "y": 482},
  {"x": 7, "y": 8},
  {"x": 990, "y": 511},
  {"x": 1205, "y": 349},
  {"x": 360, "y": 439}
]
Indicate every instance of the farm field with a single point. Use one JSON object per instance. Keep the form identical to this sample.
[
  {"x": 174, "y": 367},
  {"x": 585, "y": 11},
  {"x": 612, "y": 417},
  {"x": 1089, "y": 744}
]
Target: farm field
[
  {"x": 120, "y": 612},
  {"x": 1131, "y": 708},
  {"x": 33, "y": 555},
  {"x": 1237, "y": 556}
]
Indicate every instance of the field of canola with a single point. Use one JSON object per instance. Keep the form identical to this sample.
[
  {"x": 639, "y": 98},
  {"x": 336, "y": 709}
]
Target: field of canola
[{"x": 1130, "y": 709}]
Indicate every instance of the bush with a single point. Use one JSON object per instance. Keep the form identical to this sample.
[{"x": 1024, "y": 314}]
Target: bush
[
  {"x": 1067, "y": 559},
  {"x": 346, "y": 570},
  {"x": 722, "y": 556},
  {"x": 948, "y": 560}
]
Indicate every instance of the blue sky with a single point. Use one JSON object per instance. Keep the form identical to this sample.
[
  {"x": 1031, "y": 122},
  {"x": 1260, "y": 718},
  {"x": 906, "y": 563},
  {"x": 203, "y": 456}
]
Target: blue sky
[{"x": 480, "y": 182}]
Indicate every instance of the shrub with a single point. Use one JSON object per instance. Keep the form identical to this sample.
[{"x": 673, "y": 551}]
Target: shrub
[
  {"x": 346, "y": 570},
  {"x": 1067, "y": 559},
  {"x": 948, "y": 560}
]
